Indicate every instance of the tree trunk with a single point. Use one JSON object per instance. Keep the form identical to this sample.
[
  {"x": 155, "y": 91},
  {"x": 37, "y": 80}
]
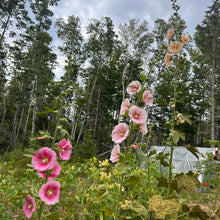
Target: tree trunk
[
  {"x": 97, "y": 110},
  {"x": 4, "y": 30},
  {"x": 26, "y": 122},
  {"x": 213, "y": 93},
  {"x": 14, "y": 126},
  {"x": 19, "y": 125}
]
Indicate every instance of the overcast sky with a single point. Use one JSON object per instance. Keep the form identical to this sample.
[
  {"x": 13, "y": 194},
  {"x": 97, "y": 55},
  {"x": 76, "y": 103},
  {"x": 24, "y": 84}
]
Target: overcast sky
[{"x": 121, "y": 11}]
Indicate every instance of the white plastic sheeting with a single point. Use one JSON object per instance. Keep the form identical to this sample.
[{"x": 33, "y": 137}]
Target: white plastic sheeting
[{"x": 183, "y": 160}]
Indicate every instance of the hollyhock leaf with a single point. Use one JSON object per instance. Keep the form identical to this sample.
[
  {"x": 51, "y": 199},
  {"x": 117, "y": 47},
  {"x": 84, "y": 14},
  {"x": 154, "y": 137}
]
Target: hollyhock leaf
[
  {"x": 196, "y": 212},
  {"x": 133, "y": 180},
  {"x": 163, "y": 207},
  {"x": 193, "y": 150},
  {"x": 152, "y": 152},
  {"x": 108, "y": 211},
  {"x": 138, "y": 209}
]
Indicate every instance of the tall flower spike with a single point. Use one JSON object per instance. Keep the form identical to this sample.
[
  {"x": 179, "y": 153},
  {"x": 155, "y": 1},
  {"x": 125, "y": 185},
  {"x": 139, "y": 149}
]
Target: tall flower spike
[
  {"x": 137, "y": 114},
  {"x": 120, "y": 133},
  {"x": 50, "y": 192},
  {"x": 44, "y": 159},
  {"x": 29, "y": 206},
  {"x": 134, "y": 87},
  {"x": 114, "y": 154}
]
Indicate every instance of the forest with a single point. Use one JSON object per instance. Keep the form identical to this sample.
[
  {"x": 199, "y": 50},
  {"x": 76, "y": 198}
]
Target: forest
[{"x": 85, "y": 104}]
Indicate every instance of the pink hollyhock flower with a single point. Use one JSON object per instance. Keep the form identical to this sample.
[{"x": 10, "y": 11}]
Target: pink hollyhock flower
[
  {"x": 56, "y": 171},
  {"x": 50, "y": 192},
  {"x": 175, "y": 47},
  {"x": 135, "y": 147},
  {"x": 169, "y": 33},
  {"x": 44, "y": 159},
  {"x": 143, "y": 128},
  {"x": 29, "y": 206},
  {"x": 124, "y": 106},
  {"x": 134, "y": 87},
  {"x": 120, "y": 133},
  {"x": 137, "y": 114},
  {"x": 65, "y": 149},
  {"x": 114, "y": 154},
  {"x": 148, "y": 98},
  {"x": 167, "y": 59},
  {"x": 185, "y": 39}
]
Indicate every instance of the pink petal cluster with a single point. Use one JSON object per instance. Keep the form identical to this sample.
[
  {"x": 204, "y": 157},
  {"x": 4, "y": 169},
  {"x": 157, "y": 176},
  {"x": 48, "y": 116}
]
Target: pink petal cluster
[
  {"x": 148, "y": 98},
  {"x": 134, "y": 87},
  {"x": 50, "y": 192},
  {"x": 120, "y": 133},
  {"x": 169, "y": 33},
  {"x": 124, "y": 106},
  {"x": 185, "y": 39},
  {"x": 137, "y": 114},
  {"x": 143, "y": 128},
  {"x": 29, "y": 206},
  {"x": 114, "y": 154},
  {"x": 175, "y": 47},
  {"x": 65, "y": 149},
  {"x": 167, "y": 59},
  {"x": 44, "y": 159},
  {"x": 56, "y": 171}
]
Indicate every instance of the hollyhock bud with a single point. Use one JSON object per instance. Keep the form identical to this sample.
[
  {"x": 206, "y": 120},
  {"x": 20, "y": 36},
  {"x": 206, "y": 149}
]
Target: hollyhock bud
[{"x": 135, "y": 147}]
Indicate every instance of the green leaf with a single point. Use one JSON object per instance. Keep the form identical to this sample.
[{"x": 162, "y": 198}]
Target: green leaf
[
  {"x": 141, "y": 155},
  {"x": 162, "y": 181},
  {"x": 152, "y": 152},
  {"x": 133, "y": 180},
  {"x": 196, "y": 212},
  {"x": 28, "y": 155},
  {"x": 137, "y": 209},
  {"x": 193, "y": 150},
  {"x": 176, "y": 135},
  {"x": 108, "y": 211}
]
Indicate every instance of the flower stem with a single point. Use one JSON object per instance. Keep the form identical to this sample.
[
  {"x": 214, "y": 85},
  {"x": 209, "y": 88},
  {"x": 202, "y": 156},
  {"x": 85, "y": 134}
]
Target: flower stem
[
  {"x": 58, "y": 122},
  {"x": 216, "y": 197}
]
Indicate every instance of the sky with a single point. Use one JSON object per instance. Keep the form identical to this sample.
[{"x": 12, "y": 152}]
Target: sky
[{"x": 121, "y": 11}]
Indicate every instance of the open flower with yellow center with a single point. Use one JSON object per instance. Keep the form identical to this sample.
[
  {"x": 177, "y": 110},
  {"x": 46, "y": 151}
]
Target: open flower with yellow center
[
  {"x": 167, "y": 59},
  {"x": 175, "y": 47},
  {"x": 185, "y": 39}
]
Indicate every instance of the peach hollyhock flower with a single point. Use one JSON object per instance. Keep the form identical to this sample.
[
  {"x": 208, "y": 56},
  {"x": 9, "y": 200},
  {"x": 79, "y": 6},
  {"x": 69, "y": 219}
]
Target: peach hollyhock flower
[
  {"x": 147, "y": 98},
  {"x": 169, "y": 33},
  {"x": 65, "y": 149},
  {"x": 167, "y": 60},
  {"x": 56, "y": 171},
  {"x": 124, "y": 106},
  {"x": 134, "y": 87},
  {"x": 135, "y": 147},
  {"x": 44, "y": 159},
  {"x": 143, "y": 128},
  {"x": 120, "y": 133},
  {"x": 175, "y": 47},
  {"x": 114, "y": 154},
  {"x": 29, "y": 206},
  {"x": 185, "y": 39},
  {"x": 137, "y": 114},
  {"x": 50, "y": 192}
]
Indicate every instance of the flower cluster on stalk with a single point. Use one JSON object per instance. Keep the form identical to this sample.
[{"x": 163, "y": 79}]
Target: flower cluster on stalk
[
  {"x": 45, "y": 162},
  {"x": 137, "y": 115}
]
